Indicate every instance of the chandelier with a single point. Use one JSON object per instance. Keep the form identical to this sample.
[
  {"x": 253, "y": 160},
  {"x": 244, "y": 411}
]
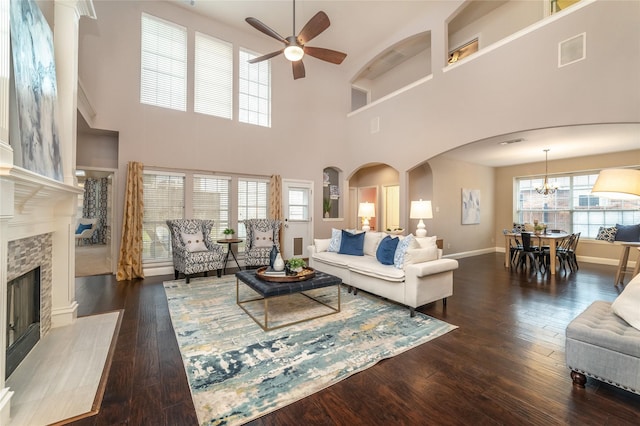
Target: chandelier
[{"x": 546, "y": 188}]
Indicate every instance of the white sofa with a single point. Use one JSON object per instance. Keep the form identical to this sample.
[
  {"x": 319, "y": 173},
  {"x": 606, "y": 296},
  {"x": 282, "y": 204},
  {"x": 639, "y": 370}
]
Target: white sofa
[{"x": 415, "y": 284}]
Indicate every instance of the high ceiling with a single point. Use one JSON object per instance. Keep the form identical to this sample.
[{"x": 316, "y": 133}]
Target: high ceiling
[{"x": 360, "y": 26}]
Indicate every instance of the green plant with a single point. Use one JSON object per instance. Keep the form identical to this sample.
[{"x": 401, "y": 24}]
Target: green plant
[
  {"x": 326, "y": 205},
  {"x": 228, "y": 231},
  {"x": 295, "y": 263}
]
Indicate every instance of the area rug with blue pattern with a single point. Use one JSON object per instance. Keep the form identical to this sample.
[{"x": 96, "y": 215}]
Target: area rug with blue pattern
[{"x": 238, "y": 372}]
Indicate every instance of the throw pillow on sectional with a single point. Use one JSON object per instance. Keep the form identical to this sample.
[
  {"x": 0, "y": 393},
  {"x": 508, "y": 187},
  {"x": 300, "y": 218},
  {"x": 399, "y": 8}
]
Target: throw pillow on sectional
[
  {"x": 386, "y": 250},
  {"x": 606, "y": 234},
  {"x": 406, "y": 243},
  {"x": 352, "y": 244},
  {"x": 629, "y": 233},
  {"x": 336, "y": 237}
]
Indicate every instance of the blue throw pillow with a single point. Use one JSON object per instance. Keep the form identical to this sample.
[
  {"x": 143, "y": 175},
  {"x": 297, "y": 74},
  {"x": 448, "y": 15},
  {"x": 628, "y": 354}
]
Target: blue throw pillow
[
  {"x": 386, "y": 250},
  {"x": 628, "y": 233},
  {"x": 81, "y": 227},
  {"x": 352, "y": 244}
]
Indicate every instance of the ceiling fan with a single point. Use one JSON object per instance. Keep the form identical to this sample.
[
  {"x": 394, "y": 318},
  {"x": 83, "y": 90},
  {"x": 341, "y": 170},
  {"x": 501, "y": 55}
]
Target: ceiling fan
[{"x": 295, "y": 47}]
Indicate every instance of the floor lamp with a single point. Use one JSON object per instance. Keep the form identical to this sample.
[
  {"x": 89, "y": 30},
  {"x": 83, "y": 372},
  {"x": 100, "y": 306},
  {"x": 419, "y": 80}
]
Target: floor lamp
[
  {"x": 618, "y": 184},
  {"x": 366, "y": 211},
  {"x": 421, "y": 210}
]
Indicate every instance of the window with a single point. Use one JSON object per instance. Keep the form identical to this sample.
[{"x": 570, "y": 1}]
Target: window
[
  {"x": 572, "y": 208},
  {"x": 213, "y": 77},
  {"x": 163, "y": 199},
  {"x": 163, "y": 63},
  {"x": 298, "y": 204},
  {"x": 211, "y": 201},
  {"x": 255, "y": 91},
  {"x": 253, "y": 203}
]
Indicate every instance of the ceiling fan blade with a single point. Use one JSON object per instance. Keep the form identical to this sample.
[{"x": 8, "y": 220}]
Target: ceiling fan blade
[
  {"x": 265, "y": 57},
  {"x": 314, "y": 27},
  {"x": 258, "y": 25},
  {"x": 328, "y": 55},
  {"x": 298, "y": 69}
]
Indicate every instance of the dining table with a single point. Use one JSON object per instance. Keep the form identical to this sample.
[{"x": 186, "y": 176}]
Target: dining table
[{"x": 553, "y": 239}]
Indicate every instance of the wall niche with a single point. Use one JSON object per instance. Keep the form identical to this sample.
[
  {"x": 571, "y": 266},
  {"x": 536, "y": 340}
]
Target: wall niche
[{"x": 331, "y": 193}]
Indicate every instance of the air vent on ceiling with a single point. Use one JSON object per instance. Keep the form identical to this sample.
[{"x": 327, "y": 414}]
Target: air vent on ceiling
[
  {"x": 572, "y": 50},
  {"x": 511, "y": 141}
]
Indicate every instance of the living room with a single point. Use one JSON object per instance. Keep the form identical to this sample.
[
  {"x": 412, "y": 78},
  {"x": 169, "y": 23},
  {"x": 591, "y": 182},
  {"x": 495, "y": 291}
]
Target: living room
[{"x": 497, "y": 103}]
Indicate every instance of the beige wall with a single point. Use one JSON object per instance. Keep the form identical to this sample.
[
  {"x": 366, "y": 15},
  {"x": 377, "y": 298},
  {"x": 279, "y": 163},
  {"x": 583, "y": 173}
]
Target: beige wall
[
  {"x": 514, "y": 87},
  {"x": 504, "y": 189}
]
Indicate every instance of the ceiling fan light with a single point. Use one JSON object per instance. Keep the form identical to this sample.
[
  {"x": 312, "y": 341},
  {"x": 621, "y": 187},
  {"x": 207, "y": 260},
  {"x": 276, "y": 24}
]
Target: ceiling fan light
[{"x": 293, "y": 53}]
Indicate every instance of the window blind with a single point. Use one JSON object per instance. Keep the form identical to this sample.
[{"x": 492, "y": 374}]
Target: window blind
[
  {"x": 163, "y": 199},
  {"x": 163, "y": 63},
  {"x": 211, "y": 201},
  {"x": 213, "y": 82},
  {"x": 254, "y": 97},
  {"x": 253, "y": 203}
]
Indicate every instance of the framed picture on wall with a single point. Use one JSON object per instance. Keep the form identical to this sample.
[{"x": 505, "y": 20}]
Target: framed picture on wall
[{"x": 470, "y": 206}]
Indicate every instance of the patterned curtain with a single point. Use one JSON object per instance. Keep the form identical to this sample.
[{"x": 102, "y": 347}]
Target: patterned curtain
[
  {"x": 130, "y": 259},
  {"x": 95, "y": 206},
  {"x": 275, "y": 200}
]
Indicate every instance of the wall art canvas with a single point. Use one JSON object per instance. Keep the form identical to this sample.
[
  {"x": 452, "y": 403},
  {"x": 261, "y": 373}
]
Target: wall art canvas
[
  {"x": 470, "y": 206},
  {"x": 36, "y": 92}
]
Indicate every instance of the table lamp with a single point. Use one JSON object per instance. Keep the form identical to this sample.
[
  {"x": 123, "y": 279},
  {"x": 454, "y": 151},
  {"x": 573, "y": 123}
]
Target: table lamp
[
  {"x": 421, "y": 210},
  {"x": 366, "y": 211}
]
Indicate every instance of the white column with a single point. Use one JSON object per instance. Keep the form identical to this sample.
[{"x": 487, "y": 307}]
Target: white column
[{"x": 65, "y": 40}]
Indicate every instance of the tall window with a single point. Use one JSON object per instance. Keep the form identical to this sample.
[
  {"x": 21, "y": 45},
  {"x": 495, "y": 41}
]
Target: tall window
[
  {"x": 163, "y": 199},
  {"x": 253, "y": 203},
  {"x": 211, "y": 201},
  {"x": 163, "y": 63},
  {"x": 213, "y": 76},
  {"x": 255, "y": 91},
  {"x": 572, "y": 208}
]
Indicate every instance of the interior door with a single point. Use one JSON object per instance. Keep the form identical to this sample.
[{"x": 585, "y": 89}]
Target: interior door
[{"x": 298, "y": 224}]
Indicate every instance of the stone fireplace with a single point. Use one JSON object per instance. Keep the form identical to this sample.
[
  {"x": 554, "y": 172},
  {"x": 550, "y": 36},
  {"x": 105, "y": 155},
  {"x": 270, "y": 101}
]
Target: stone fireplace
[{"x": 37, "y": 224}]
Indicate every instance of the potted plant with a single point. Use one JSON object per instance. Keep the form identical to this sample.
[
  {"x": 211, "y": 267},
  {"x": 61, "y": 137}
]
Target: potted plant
[
  {"x": 537, "y": 228},
  {"x": 296, "y": 264},
  {"x": 228, "y": 233},
  {"x": 326, "y": 207}
]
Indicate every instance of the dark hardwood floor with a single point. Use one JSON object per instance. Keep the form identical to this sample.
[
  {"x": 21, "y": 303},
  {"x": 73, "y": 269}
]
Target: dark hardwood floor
[{"x": 503, "y": 365}]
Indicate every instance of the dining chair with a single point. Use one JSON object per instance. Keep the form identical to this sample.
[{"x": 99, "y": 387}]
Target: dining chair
[{"x": 530, "y": 252}]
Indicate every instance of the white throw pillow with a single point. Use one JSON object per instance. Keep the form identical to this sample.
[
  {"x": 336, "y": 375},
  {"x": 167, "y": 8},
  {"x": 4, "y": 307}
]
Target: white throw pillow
[
  {"x": 426, "y": 242},
  {"x": 262, "y": 239},
  {"x": 193, "y": 242},
  {"x": 371, "y": 242},
  {"x": 321, "y": 245},
  {"x": 420, "y": 255},
  {"x": 627, "y": 305}
]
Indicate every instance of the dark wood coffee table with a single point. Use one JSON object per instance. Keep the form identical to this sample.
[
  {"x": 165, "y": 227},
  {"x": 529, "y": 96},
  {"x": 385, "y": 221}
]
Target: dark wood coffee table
[{"x": 269, "y": 290}]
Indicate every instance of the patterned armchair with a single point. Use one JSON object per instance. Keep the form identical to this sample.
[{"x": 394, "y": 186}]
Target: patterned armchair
[
  {"x": 261, "y": 235},
  {"x": 193, "y": 249}
]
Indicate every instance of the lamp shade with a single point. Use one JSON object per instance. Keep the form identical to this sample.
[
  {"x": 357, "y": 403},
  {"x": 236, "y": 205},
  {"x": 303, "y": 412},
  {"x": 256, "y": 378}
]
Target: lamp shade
[
  {"x": 617, "y": 183},
  {"x": 420, "y": 210},
  {"x": 366, "y": 210}
]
